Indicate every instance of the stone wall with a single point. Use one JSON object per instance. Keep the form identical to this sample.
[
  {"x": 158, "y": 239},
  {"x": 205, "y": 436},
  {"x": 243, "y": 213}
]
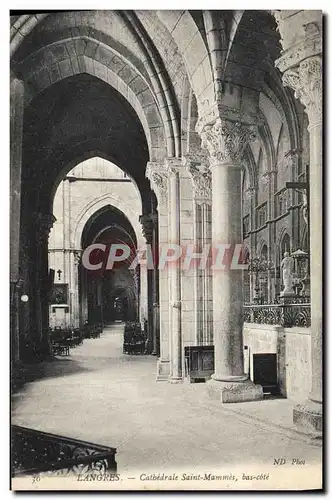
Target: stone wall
[
  {"x": 293, "y": 349},
  {"x": 91, "y": 185}
]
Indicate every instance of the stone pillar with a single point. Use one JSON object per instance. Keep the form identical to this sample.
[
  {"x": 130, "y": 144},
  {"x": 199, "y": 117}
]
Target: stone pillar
[
  {"x": 147, "y": 230},
  {"x": 155, "y": 285},
  {"x": 225, "y": 141},
  {"x": 269, "y": 178},
  {"x": 44, "y": 223},
  {"x": 176, "y": 375},
  {"x": 149, "y": 223},
  {"x": 16, "y": 130},
  {"x": 84, "y": 308},
  {"x": 158, "y": 176},
  {"x": 74, "y": 259},
  {"x": 202, "y": 195},
  {"x": 302, "y": 71},
  {"x": 251, "y": 193},
  {"x": 143, "y": 293}
]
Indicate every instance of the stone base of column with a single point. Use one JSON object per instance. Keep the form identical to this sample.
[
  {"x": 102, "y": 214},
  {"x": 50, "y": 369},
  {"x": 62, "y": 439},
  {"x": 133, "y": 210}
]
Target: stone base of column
[
  {"x": 287, "y": 294},
  {"x": 308, "y": 417},
  {"x": 234, "y": 392},
  {"x": 175, "y": 380},
  {"x": 149, "y": 347},
  {"x": 163, "y": 370}
]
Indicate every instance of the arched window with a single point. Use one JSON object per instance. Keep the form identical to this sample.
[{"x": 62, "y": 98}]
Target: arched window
[
  {"x": 244, "y": 259},
  {"x": 263, "y": 278},
  {"x": 284, "y": 245}
]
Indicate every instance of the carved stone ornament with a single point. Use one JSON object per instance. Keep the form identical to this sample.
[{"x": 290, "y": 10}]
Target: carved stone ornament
[
  {"x": 196, "y": 156},
  {"x": 267, "y": 176},
  {"x": 308, "y": 47},
  {"x": 44, "y": 224},
  {"x": 220, "y": 111},
  {"x": 250, "y": 192},
  {"x": 158, "y": 176},
  {"x": 291, "y": 158},
  {"x": 226, "y": 140},
  {"x": 147, "y": 226},
  {"x": 201, "y": 179},
  {"x": 77, "y": 256},
  {"x": 306, "y": 81},
  {"x": 173, "y": 165}
]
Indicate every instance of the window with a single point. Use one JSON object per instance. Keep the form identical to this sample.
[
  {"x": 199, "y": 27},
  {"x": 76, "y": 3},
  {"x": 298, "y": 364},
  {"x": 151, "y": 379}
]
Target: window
[
  {"x": 283, "y": 201},
  {"x": 262, "y": 215},
  {"x": 246, "y": 226}
]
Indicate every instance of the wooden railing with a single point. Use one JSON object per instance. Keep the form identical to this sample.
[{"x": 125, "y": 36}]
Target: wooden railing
[
  {"x": 35, "y": 452},
  {"x": 287, "y": 314}
]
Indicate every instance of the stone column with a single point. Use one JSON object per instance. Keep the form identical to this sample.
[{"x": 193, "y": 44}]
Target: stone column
[
  {"x": 158, "y": 176},
  {"x": 305, "y": 78},
  {"x": 16, "y": 130},
  {"x": 202, "y": 194},
  {"x": 84, "y": 308},
  {"x": 74, "y": 259},
  {"x": 155, "y": 285},
  {"x": 147, "y": 230},
  {"x": 251, "y": 193},
  {"x": 44, "y": 223},
  {"x": 143, "y": 293},
  {"x": 269, "y": 178},
  {"x": 225, "y": 141},
  {"x": 176, "y": 375}
]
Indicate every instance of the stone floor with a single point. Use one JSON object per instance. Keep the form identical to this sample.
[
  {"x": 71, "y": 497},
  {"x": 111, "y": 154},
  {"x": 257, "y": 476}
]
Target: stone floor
[{"x": 101, "y": 395}]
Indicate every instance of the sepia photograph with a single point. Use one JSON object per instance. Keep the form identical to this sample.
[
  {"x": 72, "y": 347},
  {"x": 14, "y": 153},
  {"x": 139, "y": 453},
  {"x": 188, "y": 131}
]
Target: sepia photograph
[{"x": 166, "y": 250}]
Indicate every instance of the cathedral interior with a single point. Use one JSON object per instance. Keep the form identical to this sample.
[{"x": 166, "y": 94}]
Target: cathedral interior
[{"x": 150, "y": 128}]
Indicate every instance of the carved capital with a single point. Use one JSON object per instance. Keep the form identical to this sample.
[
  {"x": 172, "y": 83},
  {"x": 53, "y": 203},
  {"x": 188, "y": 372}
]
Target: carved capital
[
  {"x": 154, "y": 219},
  {"x": 306, "y": 81},
  {"x": 226, "y": 140},
  {"x": 77, "y": 256},
  {"x": 223, "y": 112},
  {"x": 44, "y": 224},
  {"x": 147, "y": 226},
  {"x": 201, "y": 180},
  {"x": 298, "y": 46},
  {"x": 173, "y": 165},
  {"x": 196, "y": 156},
  {"x": 158, "y": 175}
]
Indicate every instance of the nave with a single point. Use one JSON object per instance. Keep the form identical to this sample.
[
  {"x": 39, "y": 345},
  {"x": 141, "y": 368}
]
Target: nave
[{"x": 101, "y": 395}]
